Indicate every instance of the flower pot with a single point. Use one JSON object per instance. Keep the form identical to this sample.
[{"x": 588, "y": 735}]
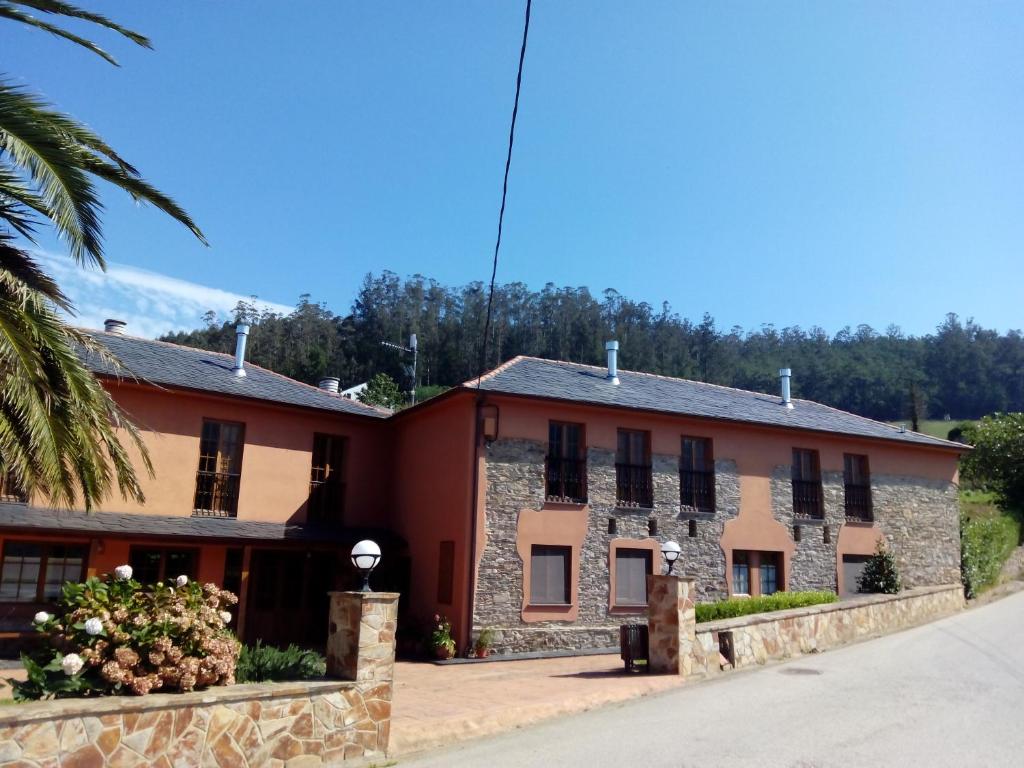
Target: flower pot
[
  {"x": 442, "y": 652},
  {"x": 482, "y": 653}
]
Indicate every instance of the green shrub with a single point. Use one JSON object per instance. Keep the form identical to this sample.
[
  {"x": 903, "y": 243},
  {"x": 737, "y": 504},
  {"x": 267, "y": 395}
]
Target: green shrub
[
  {"x": 259, "y": 663},
  {"x": 743, "y": 606},
  {"x": 880, "y": 574},
  {"x": 985, "y": 543},
  {"x": 113, "y": 635}
]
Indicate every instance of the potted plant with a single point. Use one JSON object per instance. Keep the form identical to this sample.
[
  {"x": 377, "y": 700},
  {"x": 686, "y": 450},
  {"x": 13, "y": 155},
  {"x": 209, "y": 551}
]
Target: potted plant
[
  {"x": 484, "y": 641},
  {"x": 441, "y": 638}
]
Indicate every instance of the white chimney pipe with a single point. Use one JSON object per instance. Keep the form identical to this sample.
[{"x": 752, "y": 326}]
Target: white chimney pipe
[
  {"x": 612, "y": 348},
  {"x": 241, "y": 334},
  {"x": 785, "y": 374},
  {"x": 110, "y": 325},
  {"x": 329, "y": 384}
]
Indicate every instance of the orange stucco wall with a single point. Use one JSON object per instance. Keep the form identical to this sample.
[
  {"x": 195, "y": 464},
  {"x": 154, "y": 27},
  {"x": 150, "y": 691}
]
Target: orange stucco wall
[
  {"x": 275, "y": 461},
  {"x": 433, "y": 457}
]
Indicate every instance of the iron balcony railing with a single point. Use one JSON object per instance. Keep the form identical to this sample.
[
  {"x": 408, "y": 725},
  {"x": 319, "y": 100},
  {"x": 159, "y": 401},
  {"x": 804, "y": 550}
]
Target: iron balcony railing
[
  {"x": 807, "y": 499},
  {"x": 325, "y": 500},
  {"x": 858, "y": 503},
  {"x": 633, "y": 485},
  {"x": 216, "y": 494},
  {"x": 566, "y": 479},
  {"x": 697, "y": 490}
]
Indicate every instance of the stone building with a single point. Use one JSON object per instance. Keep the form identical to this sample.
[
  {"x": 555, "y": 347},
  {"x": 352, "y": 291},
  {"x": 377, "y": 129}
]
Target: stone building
[{"x": 533, "y": 502}]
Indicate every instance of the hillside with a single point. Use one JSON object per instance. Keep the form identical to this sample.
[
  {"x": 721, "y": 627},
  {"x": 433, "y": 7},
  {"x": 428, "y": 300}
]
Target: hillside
[{"x": 961, "y": 369}]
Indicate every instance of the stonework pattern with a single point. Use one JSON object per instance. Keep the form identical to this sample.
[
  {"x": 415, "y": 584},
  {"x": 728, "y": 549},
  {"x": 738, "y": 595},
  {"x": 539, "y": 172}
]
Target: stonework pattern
[
  {"x": 361, "y": 636},
  {"x": 243, "y": 726},
  {"x": 515, "y": 481},
  {"x": 781, "y": 635},
  {"x": 813, "y": 566}
]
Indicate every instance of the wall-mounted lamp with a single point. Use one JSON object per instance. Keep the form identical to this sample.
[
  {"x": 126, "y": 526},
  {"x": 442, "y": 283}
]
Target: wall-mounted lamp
[
  {"x": 489, "y": 422},
  {"x": 365, "y": 556},
  {"x": 670, "y": 551}
]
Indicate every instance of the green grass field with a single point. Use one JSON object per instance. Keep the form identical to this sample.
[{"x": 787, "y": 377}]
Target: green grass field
[{"x": 934, "y": 427}]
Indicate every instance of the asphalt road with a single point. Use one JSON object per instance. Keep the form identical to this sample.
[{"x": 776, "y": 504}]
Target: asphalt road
[{"x": 949, "y": 693}]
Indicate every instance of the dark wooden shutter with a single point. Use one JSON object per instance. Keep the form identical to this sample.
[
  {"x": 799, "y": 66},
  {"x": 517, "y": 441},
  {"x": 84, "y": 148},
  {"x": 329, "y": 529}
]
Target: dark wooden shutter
[{"x": 549, "y": 575}]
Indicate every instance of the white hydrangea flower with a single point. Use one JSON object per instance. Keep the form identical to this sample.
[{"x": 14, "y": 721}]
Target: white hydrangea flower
[
  {"x": 123, "y": 572},
  {"x": 181, "y": 581},
  {"x": 93, "y": 626},
  {"x": 42, "y": 617},
  {"x": 72, "y": 664},
  {"x": 225, "y": 617}
]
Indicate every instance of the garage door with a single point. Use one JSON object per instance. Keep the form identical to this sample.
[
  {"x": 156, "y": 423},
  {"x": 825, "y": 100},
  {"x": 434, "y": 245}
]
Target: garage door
[{"x": 853, "y": 567}]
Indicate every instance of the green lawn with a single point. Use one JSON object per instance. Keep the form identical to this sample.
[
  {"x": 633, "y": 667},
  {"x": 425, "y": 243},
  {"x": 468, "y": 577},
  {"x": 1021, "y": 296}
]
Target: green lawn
[{"x": 934, "y": 427}]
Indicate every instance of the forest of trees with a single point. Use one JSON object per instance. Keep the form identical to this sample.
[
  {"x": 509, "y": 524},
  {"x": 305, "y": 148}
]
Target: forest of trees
[{"x": 961, "y": 369}]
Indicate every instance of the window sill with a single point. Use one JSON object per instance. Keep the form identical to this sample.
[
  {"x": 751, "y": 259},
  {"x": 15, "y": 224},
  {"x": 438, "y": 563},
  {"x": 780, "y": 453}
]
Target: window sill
[
  {"x": 808, "y": 521},
  {"x": 689, "y": 513},
  {"x": 860, "y": 521},
  {"x": 549, "y": 606},
  {"x": 639, "y": 510},
  {"x": 562, "y": 504},
  {"x": 621, "y": 610}
]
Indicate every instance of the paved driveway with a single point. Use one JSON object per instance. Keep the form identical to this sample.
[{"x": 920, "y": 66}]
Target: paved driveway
[{"x": 945, "y": 694}]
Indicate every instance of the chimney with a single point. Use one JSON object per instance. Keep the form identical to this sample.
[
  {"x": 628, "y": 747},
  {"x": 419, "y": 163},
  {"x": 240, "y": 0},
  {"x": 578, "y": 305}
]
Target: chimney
[
  {"x": 110, "y": 325},
  {"x": 612, "y": 348},
  {"x": 785, "y": 374},
  {"x": 241, "y": 334},
  {"x": 329, "y": 384}
]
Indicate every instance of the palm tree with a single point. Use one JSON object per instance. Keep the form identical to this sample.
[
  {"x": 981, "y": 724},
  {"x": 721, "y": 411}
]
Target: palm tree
[{"x": 61, "y": 434}]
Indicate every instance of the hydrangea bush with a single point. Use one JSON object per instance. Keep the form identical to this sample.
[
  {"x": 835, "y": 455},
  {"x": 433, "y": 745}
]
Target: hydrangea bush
[{"x": 112, "y": 635}]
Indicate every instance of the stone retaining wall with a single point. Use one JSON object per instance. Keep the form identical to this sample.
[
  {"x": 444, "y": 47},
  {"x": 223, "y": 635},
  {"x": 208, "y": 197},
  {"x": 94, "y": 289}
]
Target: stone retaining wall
[
  {"x": 277, "y": 724},
  {"x": 780, "y": 635}
]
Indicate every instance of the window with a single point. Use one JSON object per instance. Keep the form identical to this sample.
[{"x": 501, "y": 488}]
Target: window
[
  {"x": 769, "y": 573},
  {"x": 34, "y": 573},
  {"x": 446, "y": 573},
  {"x": 566, "y": 464},
  {"x": 806, "y": 472},
  {"x": 150, "y": 565},
  {"x": 220, "y": 468},
  {"x": 740, "y": 573},
  {"x": 326, "y": 485},
  {"x": 857, "y": 485},
  {"x": 549, "y": 575},
  {"x": 633, "y": 485},
  {"x": 10, "y": 491},
  {"x": 697, "y": 474},
  {"x": 631, "y": 569}
]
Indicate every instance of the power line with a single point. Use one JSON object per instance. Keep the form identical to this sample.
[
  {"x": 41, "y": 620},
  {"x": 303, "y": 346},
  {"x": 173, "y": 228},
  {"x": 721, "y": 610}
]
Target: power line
[{"x": 504, "y": 195}]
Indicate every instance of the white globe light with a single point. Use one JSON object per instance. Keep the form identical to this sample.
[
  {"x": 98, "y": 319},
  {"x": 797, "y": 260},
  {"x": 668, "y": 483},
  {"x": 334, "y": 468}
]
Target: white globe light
[
  {"x": 670, "y": 551},
  {"x": 365, "y": 556}
]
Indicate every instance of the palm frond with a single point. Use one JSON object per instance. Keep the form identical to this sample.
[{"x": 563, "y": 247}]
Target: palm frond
[
  {"x": 21, "y": 266},
  {"x": 13, "y": 14},
  {"x": 58, "y": 8}
]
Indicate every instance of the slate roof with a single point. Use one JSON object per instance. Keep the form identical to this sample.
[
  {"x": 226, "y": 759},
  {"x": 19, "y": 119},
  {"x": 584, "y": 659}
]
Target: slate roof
[
  {"x": 24, "y": 516},
  {"x": 173, "y": 365},
  {"x": 574, "y": 382}
]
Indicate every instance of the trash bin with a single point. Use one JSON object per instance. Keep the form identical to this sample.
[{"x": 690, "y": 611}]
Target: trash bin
[{"x": 633, "y": 646}]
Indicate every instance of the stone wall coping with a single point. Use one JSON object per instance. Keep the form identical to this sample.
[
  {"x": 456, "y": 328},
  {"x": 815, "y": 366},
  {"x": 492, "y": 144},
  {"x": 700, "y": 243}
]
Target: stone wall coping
[
  {"x": 812, "y": 610},
  {"x": 369, "y": 595},
  {"x": 41, "y": 711}
]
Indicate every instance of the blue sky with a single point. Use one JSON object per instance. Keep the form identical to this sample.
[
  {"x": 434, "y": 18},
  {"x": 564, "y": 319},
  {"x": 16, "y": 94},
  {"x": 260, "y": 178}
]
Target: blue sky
[{"x": 792, "y": 163}]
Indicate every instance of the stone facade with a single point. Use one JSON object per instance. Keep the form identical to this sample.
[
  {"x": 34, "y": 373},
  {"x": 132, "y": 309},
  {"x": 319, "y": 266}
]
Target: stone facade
[
  {"x": 258, "y": 725},
  {"x": 515, "y": 482},
  {"x": 917, "y": 516},
  {"x": 782, "y": 635}
]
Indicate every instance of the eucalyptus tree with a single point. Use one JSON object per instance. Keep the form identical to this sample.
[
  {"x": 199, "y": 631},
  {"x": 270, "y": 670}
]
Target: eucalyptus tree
[{"x": 61, "y": 434}]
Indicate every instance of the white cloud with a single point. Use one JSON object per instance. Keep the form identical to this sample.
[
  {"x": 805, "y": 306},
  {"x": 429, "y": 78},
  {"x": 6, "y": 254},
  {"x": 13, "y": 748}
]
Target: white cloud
[{"x": 152, "y": 304}]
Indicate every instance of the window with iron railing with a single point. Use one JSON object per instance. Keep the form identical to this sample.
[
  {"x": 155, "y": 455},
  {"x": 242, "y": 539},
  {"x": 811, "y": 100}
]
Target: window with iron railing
[
  {"x": 220, "y": 469},
  {"x": 565, "y": 467},
  {"x": 857, "y": 487},
  {"x": 697, "y": 474},
  {"x": 633, "y": 483},
  {"x": 10, "y": 491},
  {"x": 326, "y": 479},
  {"x": 807, "y": 494}
]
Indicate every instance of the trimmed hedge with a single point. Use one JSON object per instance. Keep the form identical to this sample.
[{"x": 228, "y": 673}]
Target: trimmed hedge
[
  {"x": 985, "y": 542},
  {"x": 743, "y": 606}
]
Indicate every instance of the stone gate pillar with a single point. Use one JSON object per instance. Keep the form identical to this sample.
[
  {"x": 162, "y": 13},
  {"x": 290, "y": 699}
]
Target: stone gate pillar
[
  {"x": 671, "y": 624},
  {"x": 361, "y": 636}
]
